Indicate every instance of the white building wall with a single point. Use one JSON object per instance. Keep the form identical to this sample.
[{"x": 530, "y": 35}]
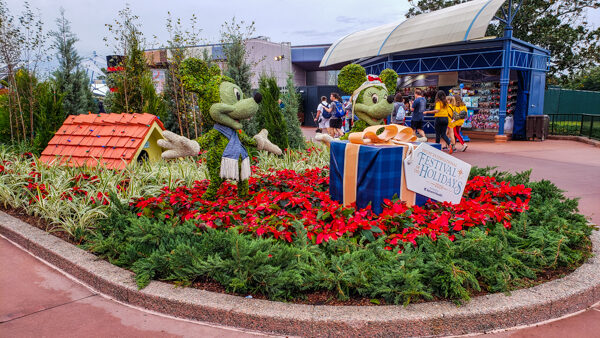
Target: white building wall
[{"x": 261, "y": 57}]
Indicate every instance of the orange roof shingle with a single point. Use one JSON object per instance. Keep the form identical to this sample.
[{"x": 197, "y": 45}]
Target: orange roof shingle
[{"x": 110, "y": 140}]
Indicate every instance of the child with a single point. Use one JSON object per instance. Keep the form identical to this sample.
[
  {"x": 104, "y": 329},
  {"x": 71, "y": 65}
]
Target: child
[
  {"x": 461, "y": 110},
  {"x": 450, "y": 131}
]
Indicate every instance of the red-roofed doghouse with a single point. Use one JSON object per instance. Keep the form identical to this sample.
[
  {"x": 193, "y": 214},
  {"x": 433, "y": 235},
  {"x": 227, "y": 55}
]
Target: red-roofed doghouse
[{"x": 111, "y": 140}]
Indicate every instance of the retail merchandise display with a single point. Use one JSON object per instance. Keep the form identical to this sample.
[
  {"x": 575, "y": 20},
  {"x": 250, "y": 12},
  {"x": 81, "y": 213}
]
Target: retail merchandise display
[
  {"x": 428, "y": 94},
  {"x": 483, "y": 103}
]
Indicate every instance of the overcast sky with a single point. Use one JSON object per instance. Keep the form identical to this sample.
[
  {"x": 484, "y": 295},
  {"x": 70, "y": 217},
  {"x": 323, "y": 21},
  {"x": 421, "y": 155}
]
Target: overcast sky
[{"x": 296, "y": 21}]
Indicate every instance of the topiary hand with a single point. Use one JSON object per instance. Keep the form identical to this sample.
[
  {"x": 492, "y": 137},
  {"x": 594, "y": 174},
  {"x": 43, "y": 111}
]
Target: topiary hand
[
  {"x": 263, "y": 143},
  {"x": 177, "y": 146}
]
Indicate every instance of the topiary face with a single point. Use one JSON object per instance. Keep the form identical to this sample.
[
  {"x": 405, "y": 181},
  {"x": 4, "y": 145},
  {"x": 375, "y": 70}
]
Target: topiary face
[
  {"x": 372, "y": 102},
  {"x": 374, "y": 106},
  {"x": 232, "y": 107},
  {"x": 219, "y": 99}
]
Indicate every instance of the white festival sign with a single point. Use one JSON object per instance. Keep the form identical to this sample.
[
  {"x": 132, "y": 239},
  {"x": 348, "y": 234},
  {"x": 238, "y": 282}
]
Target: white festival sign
[{"x": 435, "y": 174}]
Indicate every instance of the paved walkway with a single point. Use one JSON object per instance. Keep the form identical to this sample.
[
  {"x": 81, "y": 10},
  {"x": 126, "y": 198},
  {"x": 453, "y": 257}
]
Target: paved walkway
[
  {"x": 573, "y": 167},
  {"x": 36, "y": 300}
]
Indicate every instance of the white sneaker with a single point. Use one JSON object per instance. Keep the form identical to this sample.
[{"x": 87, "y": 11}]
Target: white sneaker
[{"x": 422, "y": 139}]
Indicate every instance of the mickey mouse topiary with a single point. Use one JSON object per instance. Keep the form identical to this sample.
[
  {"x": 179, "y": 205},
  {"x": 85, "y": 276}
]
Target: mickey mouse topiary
[
  {"x": 372, "y": 100},
  {"x": 223, "y": 107}
]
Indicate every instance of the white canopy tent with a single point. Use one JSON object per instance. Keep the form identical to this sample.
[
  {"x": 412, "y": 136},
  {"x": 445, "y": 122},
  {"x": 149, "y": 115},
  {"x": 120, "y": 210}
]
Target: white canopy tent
[{"x": 466, "y": 21}]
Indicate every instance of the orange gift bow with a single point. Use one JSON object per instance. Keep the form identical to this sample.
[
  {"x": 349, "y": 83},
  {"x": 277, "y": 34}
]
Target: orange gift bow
[{"x": 393, "y": 134}]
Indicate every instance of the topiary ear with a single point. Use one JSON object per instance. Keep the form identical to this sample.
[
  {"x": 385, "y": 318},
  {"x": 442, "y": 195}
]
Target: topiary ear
[
  {"x": 351, "y": 77},
  {"x": 390, "y": 78}
]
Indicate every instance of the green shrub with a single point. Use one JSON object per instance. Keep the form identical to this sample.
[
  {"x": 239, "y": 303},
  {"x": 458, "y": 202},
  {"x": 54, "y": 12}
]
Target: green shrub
[
  {"x": 390, "y": 79},
  {"x": 291, "y": 100},
  {"x": 351, "y": 77},
  {"x": 270, "y": 112},
  {"x": 550, "y": 235}
]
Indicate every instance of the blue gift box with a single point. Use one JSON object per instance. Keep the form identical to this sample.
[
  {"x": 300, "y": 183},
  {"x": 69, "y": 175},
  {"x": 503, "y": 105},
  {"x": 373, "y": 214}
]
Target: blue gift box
[{"x": 373, "y": 173}]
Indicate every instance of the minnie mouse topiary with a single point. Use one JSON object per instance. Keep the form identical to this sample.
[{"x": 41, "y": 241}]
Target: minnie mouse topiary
[{"x": 371, "y": 99}]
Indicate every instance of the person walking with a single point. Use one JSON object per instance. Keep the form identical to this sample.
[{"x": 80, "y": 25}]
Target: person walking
[
  {"x": 335, "y": 122},
  {"x": 461, "y": 114},
  {"x": 450, "y": 130},
  {"x": 348, "y": 121},
  {"x": 418, "y": 108},
  {"x": 323, "y": 121},
  {"x": 398, "y": 114},
  {"x": 441, "y": 113}
]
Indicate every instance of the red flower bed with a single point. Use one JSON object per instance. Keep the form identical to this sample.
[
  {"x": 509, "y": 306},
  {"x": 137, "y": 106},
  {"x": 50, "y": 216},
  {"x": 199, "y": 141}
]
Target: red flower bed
[{"x": 282, "y": 201}]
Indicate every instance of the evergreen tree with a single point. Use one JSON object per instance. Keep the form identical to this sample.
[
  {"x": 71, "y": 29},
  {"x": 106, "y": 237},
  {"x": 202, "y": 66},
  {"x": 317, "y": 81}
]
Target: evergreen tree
[
  {"x": 291, "y": 101},
  {"x": 233, "y": 36},
  {"x": 131, "y": 96},
  {"x": 50, "y": 113},
  {"x": 70, "y": 79},
  {"x": 270, "y": 112}
]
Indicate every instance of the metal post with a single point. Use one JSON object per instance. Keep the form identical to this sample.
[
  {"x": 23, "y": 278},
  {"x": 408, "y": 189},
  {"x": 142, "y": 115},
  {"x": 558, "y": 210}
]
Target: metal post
[
  {"x": 591, "y": 125},
  {"x": 505, "y": 76},
  {"x": 581, "y": 126},
  {"x": 509, "y": 15}
]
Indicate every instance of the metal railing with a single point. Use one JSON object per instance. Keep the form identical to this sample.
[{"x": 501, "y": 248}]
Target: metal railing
[{"x": 586, "y": 125}]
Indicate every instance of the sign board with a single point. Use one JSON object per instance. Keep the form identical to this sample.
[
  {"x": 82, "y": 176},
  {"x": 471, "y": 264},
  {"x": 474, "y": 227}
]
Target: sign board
[
  {"x": 160, "y": 79},
  {"x": 435, "y": 174}
]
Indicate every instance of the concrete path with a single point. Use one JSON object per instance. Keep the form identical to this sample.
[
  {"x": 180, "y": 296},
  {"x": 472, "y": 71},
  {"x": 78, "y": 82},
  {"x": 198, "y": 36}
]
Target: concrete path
[
  {"x": 36, "y": 300},
  {"x": 573, "y": 167}
]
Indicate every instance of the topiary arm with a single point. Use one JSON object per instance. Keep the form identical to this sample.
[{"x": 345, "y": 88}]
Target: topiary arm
[
  {"x": 246, "y": 140},
  {"x": 177, "y": 146},
  {"x": 263, "y": 143}
]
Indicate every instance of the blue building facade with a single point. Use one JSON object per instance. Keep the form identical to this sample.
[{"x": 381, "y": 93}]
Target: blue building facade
[{"x": 483, "y": 60}]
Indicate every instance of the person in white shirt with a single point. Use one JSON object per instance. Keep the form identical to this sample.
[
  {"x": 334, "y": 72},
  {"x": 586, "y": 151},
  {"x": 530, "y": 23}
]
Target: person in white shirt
[{"x": 320, "y": 119}]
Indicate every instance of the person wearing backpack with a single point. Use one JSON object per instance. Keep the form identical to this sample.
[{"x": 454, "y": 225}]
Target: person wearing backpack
[
  {"x": 323, "y": 116},
  {"x": 399, "y": 113},
  {"x": 336, "y": 109},
  {"x": 458, "y": 120}
]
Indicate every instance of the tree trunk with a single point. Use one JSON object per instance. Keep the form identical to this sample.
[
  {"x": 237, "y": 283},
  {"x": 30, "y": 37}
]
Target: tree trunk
[
  {"x": 10, "y": 112},
  {"x": 185, "y": 105},
  {"x": 175, "y": 94},
  {"x": 195, "y": 114}
]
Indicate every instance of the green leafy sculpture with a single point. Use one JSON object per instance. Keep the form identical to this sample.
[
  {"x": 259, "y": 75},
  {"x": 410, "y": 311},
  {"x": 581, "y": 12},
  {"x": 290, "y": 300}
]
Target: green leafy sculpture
[
  {"x": 223, "y": 106},
  {"x": 372, "y": 100}
]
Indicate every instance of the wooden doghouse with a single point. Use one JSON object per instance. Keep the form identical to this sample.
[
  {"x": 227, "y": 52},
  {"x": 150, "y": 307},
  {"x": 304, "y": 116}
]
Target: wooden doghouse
[{"x": 110, "y": 140}]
